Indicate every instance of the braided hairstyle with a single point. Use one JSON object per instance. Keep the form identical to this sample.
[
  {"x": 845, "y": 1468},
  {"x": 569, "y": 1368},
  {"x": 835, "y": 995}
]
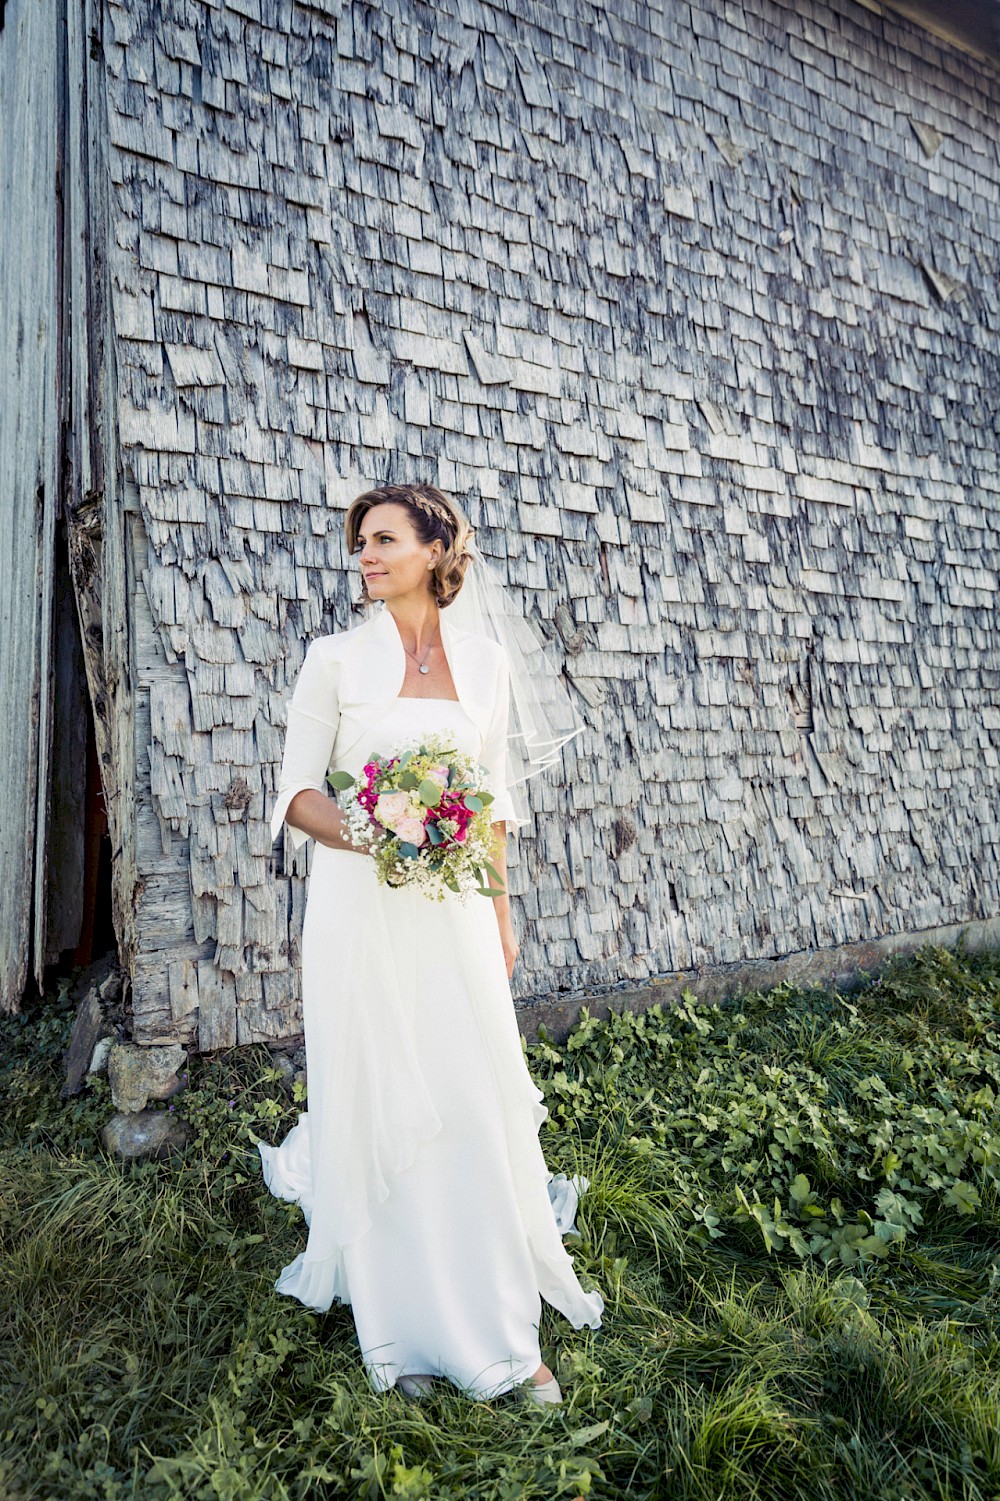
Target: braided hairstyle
[{"x": 435, "y": 516}]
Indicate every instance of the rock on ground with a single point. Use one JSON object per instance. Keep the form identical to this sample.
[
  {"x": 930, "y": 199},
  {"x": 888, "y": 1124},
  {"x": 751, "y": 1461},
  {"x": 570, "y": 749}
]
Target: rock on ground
[
  {"x": 138, "y": 1075},
  {"x": 148, "y": 1133},
  {"x": 98, "y": 1023}
]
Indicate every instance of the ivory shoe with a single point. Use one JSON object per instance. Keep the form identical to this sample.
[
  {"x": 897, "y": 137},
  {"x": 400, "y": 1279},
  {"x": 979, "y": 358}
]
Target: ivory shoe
[
  {"x": 415, "y": 1387},
  {"x": 543, "y": 1391}
]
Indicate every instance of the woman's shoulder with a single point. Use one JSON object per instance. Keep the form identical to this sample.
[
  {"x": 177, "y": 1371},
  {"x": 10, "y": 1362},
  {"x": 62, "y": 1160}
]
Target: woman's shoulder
[
  {"x": 332, "y": 646},
  {"x": 477, "y": 641}
]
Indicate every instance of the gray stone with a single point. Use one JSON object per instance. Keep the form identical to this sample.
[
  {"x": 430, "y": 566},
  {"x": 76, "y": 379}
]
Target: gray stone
[
  {"x": 109, "y": 980},
  {"x": 89, "y": 1030},
  {"x": 292, "y": 1067},
  {"x": 286, "y": 1068},
  {"x": 148, "y": 1133},
  {"x": 137, "y": 1074},
  {"x": 99, "y": 1058}
]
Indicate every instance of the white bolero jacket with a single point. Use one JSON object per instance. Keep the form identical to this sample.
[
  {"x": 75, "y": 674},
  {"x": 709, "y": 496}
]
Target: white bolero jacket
[{"x": 349, "y": 680}]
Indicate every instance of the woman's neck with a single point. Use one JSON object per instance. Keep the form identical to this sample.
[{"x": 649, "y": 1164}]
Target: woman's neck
[{"x": 417, "y": 620}]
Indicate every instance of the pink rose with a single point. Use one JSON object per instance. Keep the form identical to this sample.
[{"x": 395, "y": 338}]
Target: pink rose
[
  {"x": 411, "y": 831},
  {"x": 391, "y": 807},
  {"x": 438, "y": 774}
]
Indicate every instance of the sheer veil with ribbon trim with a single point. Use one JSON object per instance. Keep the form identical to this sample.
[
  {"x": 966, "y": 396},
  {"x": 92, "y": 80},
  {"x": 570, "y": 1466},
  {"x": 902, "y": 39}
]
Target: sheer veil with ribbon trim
[{"x": 542, "y": 718}]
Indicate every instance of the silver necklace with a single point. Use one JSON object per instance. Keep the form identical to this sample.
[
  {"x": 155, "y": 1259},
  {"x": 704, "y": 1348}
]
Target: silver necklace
[{"x": 421, "y": 666}]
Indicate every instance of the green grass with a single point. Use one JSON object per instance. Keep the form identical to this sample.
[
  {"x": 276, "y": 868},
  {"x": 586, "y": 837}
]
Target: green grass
[{"x": 793, "y": 1217}]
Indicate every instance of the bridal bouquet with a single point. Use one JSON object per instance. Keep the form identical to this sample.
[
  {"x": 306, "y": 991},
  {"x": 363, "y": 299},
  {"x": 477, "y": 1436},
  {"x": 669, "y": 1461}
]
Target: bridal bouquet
[{"x": 423, "y": 816}]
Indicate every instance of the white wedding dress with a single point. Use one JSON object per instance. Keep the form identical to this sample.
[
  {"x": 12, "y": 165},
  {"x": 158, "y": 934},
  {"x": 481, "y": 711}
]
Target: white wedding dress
[{"x": 417, "y": 1162}]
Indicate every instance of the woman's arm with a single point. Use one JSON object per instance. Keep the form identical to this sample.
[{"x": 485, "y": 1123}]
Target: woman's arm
[
  {"x": 318, "y": 816},
  {"x": 494, "y": 758},
  {"x": 313, "y": 716},
  {"x": 511, "y": 948}
]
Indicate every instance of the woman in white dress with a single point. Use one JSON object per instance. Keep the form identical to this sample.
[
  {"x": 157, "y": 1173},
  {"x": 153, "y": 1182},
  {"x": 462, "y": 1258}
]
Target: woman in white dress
[{"x": 417, "y": 1162}]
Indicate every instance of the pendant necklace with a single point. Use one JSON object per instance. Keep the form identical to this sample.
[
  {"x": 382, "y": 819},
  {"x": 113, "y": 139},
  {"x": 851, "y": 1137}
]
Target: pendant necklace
[{"x": 421, "y": 666}]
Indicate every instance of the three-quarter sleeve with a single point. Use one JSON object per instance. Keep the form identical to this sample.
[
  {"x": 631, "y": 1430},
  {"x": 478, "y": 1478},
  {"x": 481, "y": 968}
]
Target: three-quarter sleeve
[
  {"x": 494, "y": 752},
  {"x": 313, "y": 717}
]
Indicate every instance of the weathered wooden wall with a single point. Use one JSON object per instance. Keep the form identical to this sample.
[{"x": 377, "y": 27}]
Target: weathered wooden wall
[
  {"x": 31, "y": 110},
  {"x": 695, "y": 308},
  {"x": 97, "y": 492}
]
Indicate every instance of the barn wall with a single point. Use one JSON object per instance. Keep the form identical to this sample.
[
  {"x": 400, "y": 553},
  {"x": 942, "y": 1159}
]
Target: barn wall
[
  {"x": 31, "y": 59},
  {"x": 95, "y": 489},
  {"x": 695, "y": 309}
]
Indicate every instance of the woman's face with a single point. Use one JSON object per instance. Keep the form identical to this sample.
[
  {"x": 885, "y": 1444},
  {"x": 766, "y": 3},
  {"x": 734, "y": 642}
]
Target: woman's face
[{"x": 392, "y": 558}]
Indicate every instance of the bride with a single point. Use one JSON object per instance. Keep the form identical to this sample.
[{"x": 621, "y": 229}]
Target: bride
[{"x": 417, "y": 1162}]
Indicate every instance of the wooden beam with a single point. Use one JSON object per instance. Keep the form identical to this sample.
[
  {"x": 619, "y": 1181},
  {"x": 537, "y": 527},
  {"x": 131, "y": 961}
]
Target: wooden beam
[{"x": 972, "y": 25}]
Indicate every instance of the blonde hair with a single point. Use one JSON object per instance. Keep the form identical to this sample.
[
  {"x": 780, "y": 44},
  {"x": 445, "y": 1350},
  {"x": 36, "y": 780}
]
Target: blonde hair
[{"x": 435, "y": 517}]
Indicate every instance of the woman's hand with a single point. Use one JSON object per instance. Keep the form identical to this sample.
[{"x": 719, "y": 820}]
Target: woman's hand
[{"x": 341, "y": 838}]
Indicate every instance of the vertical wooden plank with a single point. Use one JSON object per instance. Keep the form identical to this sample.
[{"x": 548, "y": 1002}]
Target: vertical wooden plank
[
  {"x": 217, "y": 1008},
  {"x": 56, "y": 423},
  {"x": 31, "y": 53},
  {"x": 97, "y": 509},
  {"x": 182, "y": 978},
  {"x": 66, "y": 850}
]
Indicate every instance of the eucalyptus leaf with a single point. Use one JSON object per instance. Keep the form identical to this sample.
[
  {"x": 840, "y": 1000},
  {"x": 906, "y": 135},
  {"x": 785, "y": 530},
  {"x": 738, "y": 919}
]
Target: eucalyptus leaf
[{"x": 341, "y": 780}]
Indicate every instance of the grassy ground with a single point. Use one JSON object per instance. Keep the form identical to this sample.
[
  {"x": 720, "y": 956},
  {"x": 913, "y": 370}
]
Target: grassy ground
[{"x": 793, "y": 1218}]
